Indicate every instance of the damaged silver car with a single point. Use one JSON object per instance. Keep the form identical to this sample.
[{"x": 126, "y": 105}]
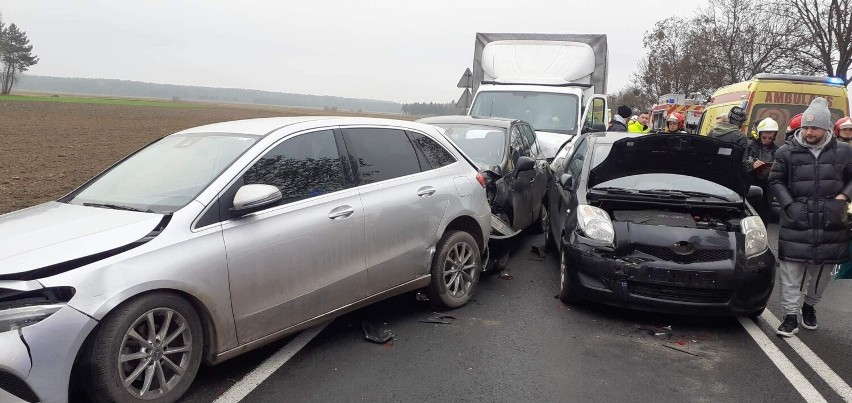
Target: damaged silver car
[{"x": 219, "y": 239}]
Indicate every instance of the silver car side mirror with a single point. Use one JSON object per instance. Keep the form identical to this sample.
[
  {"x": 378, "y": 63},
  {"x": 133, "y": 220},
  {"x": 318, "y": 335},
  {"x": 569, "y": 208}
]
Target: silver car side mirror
[{"x": 251, "y": 196}]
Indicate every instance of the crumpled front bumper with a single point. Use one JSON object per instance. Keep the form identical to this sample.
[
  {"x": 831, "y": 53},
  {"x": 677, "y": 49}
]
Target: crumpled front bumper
[
  {"x": 734, "y": 286},
  {"x": 37, "y": 359}
]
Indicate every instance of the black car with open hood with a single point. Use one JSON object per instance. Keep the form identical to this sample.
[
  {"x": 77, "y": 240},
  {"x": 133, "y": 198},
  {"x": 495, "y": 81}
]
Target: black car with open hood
[
  {"x": 680, "y": 154},
  {"x": 659, "y": 222}
]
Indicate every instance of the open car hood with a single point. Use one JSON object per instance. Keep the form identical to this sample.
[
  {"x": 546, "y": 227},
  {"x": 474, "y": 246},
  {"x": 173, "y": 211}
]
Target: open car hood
[{"x": 684, "y": 154}]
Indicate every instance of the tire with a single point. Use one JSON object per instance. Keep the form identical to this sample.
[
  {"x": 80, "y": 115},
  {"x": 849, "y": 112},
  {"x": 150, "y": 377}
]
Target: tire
[
  {"x": 455, "y": 270},
  {"x": 538, "y": 225},
  {"x": 756, "y": 314},
  {"x": 567, "y": 288},
  {"x": 106, "y": 372},
  {"x": 549, "y": 244}
]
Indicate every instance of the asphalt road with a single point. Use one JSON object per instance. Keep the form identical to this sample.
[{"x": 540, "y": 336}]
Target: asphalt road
[{"x": 516, "y": 342}]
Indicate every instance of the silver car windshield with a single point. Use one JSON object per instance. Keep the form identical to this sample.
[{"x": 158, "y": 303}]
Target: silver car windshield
[
  {"x": 485, "y": 145},
  {"x": 547, "y": 112},
  {"x": 166, "y": 175},
  {"x": 660, "y": 181}
]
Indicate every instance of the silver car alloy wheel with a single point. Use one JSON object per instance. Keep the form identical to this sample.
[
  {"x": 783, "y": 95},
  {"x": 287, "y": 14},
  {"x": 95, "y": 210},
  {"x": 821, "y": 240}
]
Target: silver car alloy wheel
[
  {"x": 563, "y": 269},
  {"x": 545, "y": 225},
  {"x": 459, "y": 269},
  {"x": 156, "y": 350}
]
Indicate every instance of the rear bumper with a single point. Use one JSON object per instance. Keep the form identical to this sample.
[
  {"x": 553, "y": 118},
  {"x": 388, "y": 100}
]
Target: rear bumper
[{"x": 728, "y": 287}]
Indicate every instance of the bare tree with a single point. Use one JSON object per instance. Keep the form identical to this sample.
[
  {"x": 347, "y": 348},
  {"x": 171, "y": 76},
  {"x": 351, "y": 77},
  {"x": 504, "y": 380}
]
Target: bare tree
[
  {"x": 16, "y": 56},
  {"x": 747, "y": 37},
  {"x": 825, "y": 29},
  {"x": 677, "y": 61}
]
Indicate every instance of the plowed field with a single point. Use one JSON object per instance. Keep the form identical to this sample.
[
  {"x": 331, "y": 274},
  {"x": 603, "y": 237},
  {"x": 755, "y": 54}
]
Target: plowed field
[{"x": 48, "y": 148}]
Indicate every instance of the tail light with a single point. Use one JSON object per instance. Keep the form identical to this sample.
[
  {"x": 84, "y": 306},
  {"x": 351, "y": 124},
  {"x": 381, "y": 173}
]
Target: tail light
[{"x": 480, "y": 179}]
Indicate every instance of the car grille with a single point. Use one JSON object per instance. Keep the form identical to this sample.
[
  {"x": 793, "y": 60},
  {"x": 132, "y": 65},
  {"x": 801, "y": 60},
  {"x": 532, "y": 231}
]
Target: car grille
[
  {"x": 700, "y": 255},
  {"x": 15, "y": 386},
  {"x": 681, "y": 294}
]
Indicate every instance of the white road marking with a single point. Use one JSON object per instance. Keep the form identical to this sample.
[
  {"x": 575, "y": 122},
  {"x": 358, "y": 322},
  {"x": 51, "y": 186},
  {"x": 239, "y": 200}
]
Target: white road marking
[
  {"x": 242, "y": 388},
  {"x": 805, "y": 388},
  {"x": 820, "y": 367}
]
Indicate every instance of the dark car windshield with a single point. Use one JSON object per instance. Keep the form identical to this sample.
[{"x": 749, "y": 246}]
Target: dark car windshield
[
  {"x": 547, "y": 112},
  {"x": 166, "y": 175},
  {"x": 660, "y": 181},
  {"x": 483, "y": 144}
]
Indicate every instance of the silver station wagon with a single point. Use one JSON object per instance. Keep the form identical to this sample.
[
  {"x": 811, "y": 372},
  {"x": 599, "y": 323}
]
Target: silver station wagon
[{"x": 215, "y": 240}]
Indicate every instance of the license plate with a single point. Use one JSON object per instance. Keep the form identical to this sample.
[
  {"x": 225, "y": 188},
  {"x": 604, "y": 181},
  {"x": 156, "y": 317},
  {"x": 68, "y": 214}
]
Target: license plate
[{"x": 682, "y": 277}]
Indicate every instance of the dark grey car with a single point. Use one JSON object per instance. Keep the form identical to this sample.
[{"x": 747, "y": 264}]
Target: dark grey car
[{"x": 516, "y": 173}]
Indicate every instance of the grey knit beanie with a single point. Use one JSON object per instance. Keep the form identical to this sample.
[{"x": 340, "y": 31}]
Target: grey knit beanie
[{"x": 817, "y": 115}]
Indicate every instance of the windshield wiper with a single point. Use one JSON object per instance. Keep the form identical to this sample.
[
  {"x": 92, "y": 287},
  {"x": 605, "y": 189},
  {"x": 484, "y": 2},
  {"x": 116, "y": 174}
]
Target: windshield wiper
[
  {"x": 687, "y": 193},
  {"x": 117, "y": 207},
  {"x": 616, "y": 190}
]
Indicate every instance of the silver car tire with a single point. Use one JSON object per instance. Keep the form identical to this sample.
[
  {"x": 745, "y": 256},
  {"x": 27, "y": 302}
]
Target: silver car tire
[
  {"x": 455, "y": 270},
  {"x": 127, "y": 362},
  {"x": 567, "y": 288}
]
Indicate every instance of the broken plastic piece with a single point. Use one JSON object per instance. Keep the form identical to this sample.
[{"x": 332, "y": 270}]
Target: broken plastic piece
[
  {"x": 376, "y": 334},
  {"x": 505, "y": 275},
  {"x": 421, "y": 297},
  {"x": 681, "y": 350},
  {"x": 439, "y": 318}
]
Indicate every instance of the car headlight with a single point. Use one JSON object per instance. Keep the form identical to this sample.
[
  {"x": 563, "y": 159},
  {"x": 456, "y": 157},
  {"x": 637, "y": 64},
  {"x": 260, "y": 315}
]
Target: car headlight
[
  {"x": 23, "y": 308},
  {"x": 14, "y": 318},
  {"x": 595, "y": 223},
  {"x": 756, "y": 240}
]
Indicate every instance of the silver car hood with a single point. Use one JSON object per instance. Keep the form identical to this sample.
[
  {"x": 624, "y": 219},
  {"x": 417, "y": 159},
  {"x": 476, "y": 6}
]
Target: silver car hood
[
  {"x": 550, "y": 142},
  {"x": 54, "y": 233}
]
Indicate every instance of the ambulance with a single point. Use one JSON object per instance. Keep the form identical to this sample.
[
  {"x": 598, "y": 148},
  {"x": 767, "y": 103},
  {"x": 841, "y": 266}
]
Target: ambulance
[
  {"x": 691, "y": 109},
  {"x": 778, "y": 96}
]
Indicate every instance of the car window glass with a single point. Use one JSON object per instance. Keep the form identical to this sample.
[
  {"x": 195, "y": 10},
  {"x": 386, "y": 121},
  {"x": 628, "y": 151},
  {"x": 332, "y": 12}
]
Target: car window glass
[
  {"x": 303, "y": 166},
  {"x": 381, "y": 154},
  {"x": 517, "y": 147},
  {"x": 575, "y": 164},
  {"x": 530, "y": 136},
  {"x": 436, "y": 155}
]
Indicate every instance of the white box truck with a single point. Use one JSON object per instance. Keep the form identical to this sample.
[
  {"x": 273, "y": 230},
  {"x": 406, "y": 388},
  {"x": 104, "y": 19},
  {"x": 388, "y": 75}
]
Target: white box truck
[{"x": 555, "y": 82}]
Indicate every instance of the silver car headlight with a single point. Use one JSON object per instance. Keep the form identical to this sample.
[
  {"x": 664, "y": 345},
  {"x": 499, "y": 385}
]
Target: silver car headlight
[
  {"x": 595, "y": 223},
  {"x": 24, "y": 308},
  {"x": 14, "y": 318},
  {"x": 756, "y": 239}
]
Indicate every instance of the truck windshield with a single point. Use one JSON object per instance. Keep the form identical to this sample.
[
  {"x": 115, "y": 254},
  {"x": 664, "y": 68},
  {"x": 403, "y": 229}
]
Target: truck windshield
[{"x": 547, "y": 112}]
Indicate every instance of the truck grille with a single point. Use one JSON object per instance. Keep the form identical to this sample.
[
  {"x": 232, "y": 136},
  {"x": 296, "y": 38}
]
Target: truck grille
[
  {"x": 681, "y": 294},
  {"x": 700, "y": 255}
]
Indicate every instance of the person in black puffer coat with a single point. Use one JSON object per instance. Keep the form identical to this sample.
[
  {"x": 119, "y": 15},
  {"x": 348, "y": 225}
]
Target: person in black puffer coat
[{"x": 812, "y": 178}]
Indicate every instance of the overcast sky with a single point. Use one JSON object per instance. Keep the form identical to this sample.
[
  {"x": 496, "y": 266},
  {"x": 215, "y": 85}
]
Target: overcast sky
[{"x": 397, "y": 50}]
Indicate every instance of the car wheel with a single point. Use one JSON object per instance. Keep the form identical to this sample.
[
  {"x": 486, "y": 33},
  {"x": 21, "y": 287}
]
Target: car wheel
[
  {"x": 567, "y": 288},
  {"x": 756, "y": 314},
  {"x": 545, "y": 228},
  {"x": 455, "y": 270},
  {"x": 538, "y": 226},
  {"x": 146, "y": 350}
]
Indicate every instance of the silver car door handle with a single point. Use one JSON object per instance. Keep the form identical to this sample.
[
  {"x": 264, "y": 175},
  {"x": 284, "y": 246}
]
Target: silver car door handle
[
  {"x": 426, "y": 191},
  {"x": 341, "y": 212}
]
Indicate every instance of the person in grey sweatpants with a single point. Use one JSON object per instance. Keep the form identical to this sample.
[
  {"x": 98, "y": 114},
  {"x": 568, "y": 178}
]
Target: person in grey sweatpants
[{"x": 811, "y": 177}]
